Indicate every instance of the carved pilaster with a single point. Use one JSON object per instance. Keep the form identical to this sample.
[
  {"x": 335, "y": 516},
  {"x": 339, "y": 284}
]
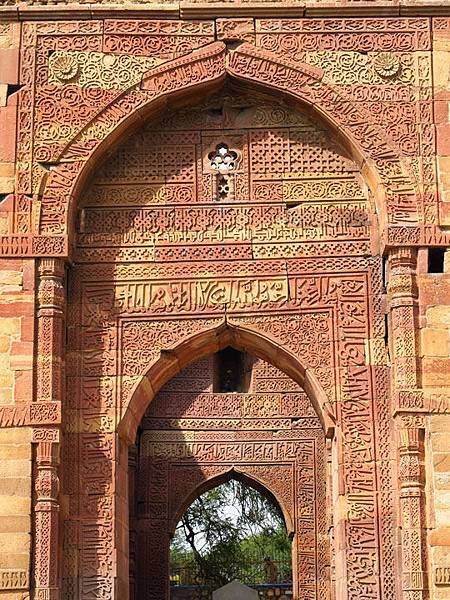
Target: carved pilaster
[
  {"x": 49, "y": 388},
  {"x": 403, "y": 321},
  {"x": 50, "y": 324},
  {"x": 46, "y": 515},
  {"x": 411, "y": 478},
  {"x": 132, "y": 464}
]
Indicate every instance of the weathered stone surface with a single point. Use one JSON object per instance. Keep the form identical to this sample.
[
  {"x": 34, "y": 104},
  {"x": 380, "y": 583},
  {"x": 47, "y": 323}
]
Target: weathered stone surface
[{"x": 235, "y": 591}]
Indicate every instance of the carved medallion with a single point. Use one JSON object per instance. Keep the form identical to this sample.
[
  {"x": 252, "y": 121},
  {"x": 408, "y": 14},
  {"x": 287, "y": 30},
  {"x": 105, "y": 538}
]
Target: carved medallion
[
  {"x": 64, "y": 66},
  {"x": 387, "y": 64}
]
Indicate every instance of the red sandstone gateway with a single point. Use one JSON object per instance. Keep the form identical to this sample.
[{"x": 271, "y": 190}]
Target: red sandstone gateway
[{"x": 180, "y": 179}]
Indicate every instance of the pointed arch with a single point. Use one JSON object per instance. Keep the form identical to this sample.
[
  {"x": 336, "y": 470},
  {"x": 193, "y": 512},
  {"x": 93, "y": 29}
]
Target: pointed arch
[
  {"x": 205, "y": 70},
  {"x": 240, "y": 474},
  {"x": 192, "y": 348}
]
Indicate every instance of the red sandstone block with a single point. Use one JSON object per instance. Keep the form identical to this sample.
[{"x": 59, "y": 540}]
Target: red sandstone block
[
  {"x": 422, "y": 261},
  {"x": 27, "y": 329},
  {"x": 435, "y": 371},
  {"x": 443, "y": 139},
  {"x": 16, "y": 309},
  {"x": 235, "y": 29},
  {"x": 444, "y": 213},
  {"x": 7, "y": 206},
  {"x": 10, "y": 264},
  {"x": 28, "y": 275},
  {"x": 441, "y": 112},
  {"x": 22, "y": 349},
  {"x": 441, "y": 96},
  {"x": 23, "y": 387},
  {"x": 8, "y": 122},
  {"x": 434, "y": 290},
  {"x": 9, "y": 65},
  {"x": 440, "y": 537}
]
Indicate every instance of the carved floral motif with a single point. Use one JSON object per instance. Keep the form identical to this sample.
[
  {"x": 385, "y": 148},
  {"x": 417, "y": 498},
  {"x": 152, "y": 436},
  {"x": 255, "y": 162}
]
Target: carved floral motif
[
  {"x": 64, "y": 67},
  {"x": 387, "y": 64}
]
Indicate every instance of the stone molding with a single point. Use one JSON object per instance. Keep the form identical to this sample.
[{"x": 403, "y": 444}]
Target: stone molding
[
  {"x": 200, "y": 10},
  {"x": 35, "y": 414}
]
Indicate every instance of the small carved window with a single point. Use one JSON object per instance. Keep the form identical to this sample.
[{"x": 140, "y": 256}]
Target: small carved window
[
  {"x": 436, "y": 260},
  {"x": 232, "y": 373},
  {"x": 223, "y": 160}
]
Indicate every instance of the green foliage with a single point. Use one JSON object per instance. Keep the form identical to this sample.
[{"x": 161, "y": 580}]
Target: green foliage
[
  {"x": 225, "y": 534},
  {"x": 276, "y": 544}
]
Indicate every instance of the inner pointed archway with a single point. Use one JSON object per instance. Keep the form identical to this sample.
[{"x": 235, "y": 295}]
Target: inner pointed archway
[
  {"x": 173, "y": 359},
  {"x": 192, "y": 439},
  {"x": 233, "y": 529}
]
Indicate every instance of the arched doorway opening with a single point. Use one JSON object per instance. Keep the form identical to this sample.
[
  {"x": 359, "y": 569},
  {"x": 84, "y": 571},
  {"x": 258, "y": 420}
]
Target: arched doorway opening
[
  {"x": 235, "y": 530},
  {"x": 196, "y": 435}
]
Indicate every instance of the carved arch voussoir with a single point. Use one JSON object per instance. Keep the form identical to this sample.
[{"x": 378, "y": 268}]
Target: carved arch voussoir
[
  {"x": 190, "y": 348},
  {"x": 206, "y": 69}
]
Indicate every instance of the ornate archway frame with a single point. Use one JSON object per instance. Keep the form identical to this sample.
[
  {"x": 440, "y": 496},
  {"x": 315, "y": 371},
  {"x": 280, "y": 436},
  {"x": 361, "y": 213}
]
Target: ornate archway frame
[
  {"x": 172, "y": 360},
  {"x": 382, "y": 166},
  {"x": 175, "y": 82},
  {"x": 380, "y": 162}
]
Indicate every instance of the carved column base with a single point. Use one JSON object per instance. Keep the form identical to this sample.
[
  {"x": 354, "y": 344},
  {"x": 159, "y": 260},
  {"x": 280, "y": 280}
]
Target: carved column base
[{"x": 47, "y": 594}]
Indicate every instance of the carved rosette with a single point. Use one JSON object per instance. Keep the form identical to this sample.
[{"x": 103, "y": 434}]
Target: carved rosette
[
  {"x": 64, "y": 66},
  {"x": 387, "y": 65}
]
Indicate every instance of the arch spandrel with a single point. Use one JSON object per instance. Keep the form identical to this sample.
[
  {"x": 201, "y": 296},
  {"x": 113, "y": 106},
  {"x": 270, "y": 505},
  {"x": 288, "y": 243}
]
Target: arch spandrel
[{"x": 380, "y": 163}]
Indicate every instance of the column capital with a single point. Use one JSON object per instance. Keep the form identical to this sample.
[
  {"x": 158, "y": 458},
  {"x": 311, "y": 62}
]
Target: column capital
[{"x": 51, "y": 267}]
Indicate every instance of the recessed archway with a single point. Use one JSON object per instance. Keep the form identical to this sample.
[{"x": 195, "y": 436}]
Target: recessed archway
[
  {"x": 191, "y": 441},
  {"x": 173, "y": 359}
]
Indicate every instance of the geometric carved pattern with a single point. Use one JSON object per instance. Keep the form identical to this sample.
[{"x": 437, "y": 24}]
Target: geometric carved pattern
[{"x": 172, "y": 160}]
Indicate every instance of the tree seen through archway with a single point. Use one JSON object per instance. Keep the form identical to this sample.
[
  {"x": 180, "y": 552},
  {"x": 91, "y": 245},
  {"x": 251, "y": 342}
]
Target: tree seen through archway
[{"x": 230, "y": 532}]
